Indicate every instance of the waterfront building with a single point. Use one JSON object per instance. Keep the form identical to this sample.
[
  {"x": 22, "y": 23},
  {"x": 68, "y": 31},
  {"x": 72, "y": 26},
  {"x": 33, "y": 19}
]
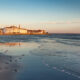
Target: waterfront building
[
  {"x": 18, "y": 30},
  {"x": 1, "y": 31},
  {"x": 14, "y": 30}
]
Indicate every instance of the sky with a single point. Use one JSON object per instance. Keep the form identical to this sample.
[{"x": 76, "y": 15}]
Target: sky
[{"x": 54, "y": 16}]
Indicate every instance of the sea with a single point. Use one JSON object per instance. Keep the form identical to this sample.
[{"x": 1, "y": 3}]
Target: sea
[{"x": 40, "y": 57}]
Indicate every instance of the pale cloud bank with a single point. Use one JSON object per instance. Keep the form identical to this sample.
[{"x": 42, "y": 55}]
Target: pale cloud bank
[{"x": 60, "y": 22}]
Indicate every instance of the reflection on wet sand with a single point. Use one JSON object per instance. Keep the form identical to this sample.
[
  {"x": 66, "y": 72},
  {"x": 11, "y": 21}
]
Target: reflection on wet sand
[
  {"x": 11, "y": 54},
  {"x": 11, "y": 44},
  {"x": 17, "y": 48}
]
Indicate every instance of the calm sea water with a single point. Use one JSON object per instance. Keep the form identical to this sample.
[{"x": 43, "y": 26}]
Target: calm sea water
[{"x": 44, "y": 57}]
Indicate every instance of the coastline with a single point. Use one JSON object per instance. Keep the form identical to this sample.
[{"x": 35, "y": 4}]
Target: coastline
[{"x": 24, "y": 34}]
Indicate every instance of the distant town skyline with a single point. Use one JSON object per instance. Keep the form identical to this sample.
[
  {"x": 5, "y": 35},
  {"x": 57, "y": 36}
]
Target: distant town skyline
[{"x": 54, "y": 16}]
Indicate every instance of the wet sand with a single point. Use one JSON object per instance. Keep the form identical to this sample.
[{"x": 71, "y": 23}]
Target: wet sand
[{"x": 39, "y": 58}]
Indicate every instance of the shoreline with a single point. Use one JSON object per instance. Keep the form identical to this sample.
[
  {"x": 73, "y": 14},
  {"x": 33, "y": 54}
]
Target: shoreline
[{"x": 24, "y": 34}]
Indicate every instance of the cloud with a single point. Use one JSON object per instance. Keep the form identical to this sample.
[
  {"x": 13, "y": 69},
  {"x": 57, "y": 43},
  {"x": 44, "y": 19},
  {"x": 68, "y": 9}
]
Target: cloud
[{"x": 60, "y": 22}]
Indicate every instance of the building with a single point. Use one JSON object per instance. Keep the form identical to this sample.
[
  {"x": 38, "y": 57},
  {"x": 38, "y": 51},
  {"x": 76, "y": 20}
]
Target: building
[
  {"x": 1, "y": 31},
  {"x": 36, "y": 32},
  {"x": 13, "y": 30}
]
